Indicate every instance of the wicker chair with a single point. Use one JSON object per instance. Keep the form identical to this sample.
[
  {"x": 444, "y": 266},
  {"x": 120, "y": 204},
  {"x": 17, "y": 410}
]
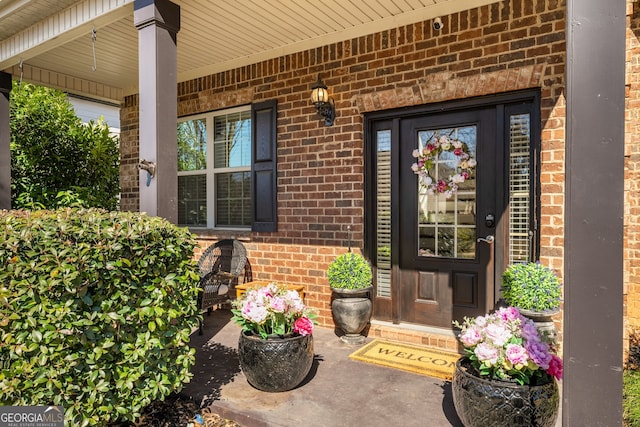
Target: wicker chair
[{"x": 220, "y": 265}]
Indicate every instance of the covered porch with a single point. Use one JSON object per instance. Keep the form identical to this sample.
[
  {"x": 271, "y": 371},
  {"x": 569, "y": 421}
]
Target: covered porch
[{"x": 161, "y": 60}]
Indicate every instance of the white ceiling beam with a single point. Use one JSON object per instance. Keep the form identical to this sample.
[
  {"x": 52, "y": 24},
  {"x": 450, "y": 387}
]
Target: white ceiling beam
[
  {"x": 13, "y": 7},
  {"x": 60, "y": 28},
  {"x": 69, "y": 84}
]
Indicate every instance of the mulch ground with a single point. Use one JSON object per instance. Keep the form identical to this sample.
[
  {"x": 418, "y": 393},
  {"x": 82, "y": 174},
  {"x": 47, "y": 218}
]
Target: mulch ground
[{"x": 178, "y": 411}]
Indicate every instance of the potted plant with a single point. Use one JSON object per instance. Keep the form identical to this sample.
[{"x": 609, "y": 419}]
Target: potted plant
[
  {"x": 349, "y": 277},
  {"x": 275, "y": 348},
  {"x": 535, "y": 290},
  {"x": 508, "y": 375}
]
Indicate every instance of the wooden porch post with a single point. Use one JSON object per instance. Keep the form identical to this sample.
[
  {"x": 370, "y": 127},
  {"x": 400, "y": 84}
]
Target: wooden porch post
[
  {"x": 5, "y": 139},
  {"x": 158, "y": 22},
  {"x": 593, "y": 307}
]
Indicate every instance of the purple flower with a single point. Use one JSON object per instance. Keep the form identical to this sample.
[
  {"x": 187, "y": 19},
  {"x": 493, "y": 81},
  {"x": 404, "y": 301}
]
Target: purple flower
[
  {"x": 539, "y": 353},
  {"x": 529, "y": 330}
]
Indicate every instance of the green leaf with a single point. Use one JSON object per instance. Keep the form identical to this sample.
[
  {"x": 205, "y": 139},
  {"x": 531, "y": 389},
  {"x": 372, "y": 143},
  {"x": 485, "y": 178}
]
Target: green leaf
[{"x": 36, "y": 335}]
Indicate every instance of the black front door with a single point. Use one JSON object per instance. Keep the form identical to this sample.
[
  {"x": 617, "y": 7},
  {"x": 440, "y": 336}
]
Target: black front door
[
  {"x": 447, "y": 226},
  {"x": 440, "y": 240}
]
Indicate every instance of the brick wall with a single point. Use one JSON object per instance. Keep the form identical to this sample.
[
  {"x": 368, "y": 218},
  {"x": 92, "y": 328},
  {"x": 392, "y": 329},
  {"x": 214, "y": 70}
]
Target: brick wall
[
  {"x": 502, "y": 47},
  {"x": 632, "y": 171},
  {"x": 129, "y": 155}
]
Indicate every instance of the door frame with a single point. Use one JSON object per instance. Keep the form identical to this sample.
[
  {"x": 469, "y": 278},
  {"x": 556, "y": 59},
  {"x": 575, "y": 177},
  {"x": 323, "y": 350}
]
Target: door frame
[{"x": 525, "y": 101}]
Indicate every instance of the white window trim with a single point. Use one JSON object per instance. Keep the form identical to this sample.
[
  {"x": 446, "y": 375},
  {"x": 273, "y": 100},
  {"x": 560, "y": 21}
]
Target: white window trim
[{"x": 210, "y": 171}]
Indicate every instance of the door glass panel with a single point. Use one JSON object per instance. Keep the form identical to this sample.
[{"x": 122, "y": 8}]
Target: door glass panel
[
  {"x": 519, "y": 188},
  {"x": 447, "y": 221},
  {"x": 383, "y": 213}
]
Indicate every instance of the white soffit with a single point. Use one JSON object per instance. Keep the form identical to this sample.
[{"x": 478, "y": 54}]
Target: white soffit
[
  {"x": 55, "y": 29},
  {"x": 277, "y": 27},
  {"x": 215, "y": 35}
]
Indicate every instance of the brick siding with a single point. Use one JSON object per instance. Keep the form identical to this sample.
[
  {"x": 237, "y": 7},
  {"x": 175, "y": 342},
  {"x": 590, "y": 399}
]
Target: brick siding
[
  {"x": 632, "y": 174},
  {"x": 497, "y": 48}
]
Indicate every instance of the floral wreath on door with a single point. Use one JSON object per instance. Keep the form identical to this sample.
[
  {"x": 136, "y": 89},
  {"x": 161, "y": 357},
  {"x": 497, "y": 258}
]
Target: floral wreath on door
[{"x": 427, "y": 158}]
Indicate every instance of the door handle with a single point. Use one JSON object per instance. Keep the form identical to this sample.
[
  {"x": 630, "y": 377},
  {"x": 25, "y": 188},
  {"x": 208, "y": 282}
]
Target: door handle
[{"x": 489, "y": 239}]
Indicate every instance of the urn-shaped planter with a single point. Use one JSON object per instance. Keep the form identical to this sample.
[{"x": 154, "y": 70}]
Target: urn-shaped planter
[
  {"x": 350, "y": 281},
  {"x": 275, "y": 364},
  {"x": 482, "y": 402},
  {"x": 543, "y": 321},
  {"x": 351, "y": 309}
]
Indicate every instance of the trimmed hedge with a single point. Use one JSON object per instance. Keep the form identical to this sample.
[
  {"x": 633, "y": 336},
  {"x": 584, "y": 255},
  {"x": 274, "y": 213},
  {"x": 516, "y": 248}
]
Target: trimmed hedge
[{"x": 96, "y": 309}]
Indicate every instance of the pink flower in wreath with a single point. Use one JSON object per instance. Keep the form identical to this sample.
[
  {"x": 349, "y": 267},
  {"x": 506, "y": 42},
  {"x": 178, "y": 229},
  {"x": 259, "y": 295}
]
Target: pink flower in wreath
[
  {"x": 303, "y": 326},
  {"x": 458, "y": 151},
  {"x": 442, "y": 186}
]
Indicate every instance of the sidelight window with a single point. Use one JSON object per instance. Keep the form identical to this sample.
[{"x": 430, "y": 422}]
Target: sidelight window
[{"x": 520, "y": 234}]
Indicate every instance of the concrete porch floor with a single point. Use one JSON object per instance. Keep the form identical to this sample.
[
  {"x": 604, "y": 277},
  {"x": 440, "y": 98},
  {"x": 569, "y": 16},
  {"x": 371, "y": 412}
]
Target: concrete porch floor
[{"x": 338, "y": 392}]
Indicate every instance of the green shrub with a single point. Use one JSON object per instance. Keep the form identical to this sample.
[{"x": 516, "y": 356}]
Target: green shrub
[
  {"x": 531, "y": 286},
  {"x": 631, "y": 378},
  {"x": 631, "y": 398},
  {"x": 96, "y": 309},
  {"x": 52, "y": 151},
  {"x": 349, "y": 271}
]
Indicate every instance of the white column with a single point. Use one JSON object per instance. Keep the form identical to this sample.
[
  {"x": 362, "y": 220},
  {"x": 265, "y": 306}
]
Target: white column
[{"x": 158, "y": 22}]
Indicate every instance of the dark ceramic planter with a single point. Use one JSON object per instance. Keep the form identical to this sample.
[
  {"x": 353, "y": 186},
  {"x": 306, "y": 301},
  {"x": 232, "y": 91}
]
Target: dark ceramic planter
[
  {"x": 351, "y": 309},
  {"x": 482, "y": 402},
  {"x": 275, "y": 364}
]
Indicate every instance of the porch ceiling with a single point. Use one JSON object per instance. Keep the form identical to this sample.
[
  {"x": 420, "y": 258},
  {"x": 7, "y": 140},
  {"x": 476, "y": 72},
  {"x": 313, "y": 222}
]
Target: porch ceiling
[{"x": 50, "y": 41}]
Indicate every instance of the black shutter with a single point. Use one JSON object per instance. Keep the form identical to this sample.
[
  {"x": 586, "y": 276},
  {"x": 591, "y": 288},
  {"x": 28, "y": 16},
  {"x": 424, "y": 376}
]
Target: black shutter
[{"x": 263, "y": 167}]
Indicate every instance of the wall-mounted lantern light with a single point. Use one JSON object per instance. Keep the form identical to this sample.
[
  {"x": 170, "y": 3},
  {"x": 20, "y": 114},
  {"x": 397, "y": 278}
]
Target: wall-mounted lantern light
[{"x": 323, "y": 102}]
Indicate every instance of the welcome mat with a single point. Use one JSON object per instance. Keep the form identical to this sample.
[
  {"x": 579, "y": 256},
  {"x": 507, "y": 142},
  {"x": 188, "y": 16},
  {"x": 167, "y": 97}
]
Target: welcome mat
[{"x": 418, "y": 359}]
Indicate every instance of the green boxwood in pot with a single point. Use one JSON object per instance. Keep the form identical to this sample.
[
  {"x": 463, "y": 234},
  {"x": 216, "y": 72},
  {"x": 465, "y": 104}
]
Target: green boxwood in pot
[
  {"x": 531, "y": 286},
  {"x": 349, "y": 271},
  {"x": 350, "y": 280}
]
